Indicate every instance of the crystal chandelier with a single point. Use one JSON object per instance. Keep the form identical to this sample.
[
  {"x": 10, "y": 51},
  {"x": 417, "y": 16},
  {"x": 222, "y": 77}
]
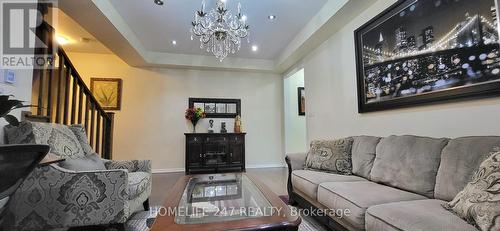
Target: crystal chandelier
[{"x": 219, "y": 31}]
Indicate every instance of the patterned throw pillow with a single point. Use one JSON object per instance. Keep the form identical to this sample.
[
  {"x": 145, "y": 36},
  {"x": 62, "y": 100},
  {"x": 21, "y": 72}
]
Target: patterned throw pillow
[
  {"x": 479, "y": 202},
  {"x": 330, "y": 155}
]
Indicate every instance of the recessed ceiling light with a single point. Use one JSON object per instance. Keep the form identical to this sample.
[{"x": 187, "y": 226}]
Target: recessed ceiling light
[
  {"x": 159, "y": 2},
  {"x": 174, "y": 42},
  {"x": 255, "y": 48},
  {"x": 271, "y": 17},
  {"x": 62, "y": 40}
]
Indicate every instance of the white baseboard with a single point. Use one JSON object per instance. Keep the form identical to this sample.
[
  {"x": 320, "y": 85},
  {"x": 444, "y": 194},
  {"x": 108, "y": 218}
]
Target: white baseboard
[
  {"x": 252, "y": 166},
  {"x": 167, "y": 170},
  {"x": 266, "y": 166}
]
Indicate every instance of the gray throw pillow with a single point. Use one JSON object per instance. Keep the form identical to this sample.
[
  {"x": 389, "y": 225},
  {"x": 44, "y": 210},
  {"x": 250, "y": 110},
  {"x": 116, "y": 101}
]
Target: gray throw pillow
[
  {"x": 330, "y": 155},
  {"x": 479, "y": 202},
  {"x": 90, "y": 162},
  {"x": 81, "y": 135}
]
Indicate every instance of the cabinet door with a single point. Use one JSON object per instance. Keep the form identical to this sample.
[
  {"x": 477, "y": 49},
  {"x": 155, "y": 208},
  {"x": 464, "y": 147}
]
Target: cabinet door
[
  {"x": 237, "y": 150},
  {"x": 216, "y": 151},
  {"x": 195, "y": 152}
]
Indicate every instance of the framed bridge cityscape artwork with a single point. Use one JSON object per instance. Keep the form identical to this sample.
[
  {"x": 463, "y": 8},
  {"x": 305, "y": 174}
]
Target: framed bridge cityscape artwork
[{"x": 427, "y": 51}]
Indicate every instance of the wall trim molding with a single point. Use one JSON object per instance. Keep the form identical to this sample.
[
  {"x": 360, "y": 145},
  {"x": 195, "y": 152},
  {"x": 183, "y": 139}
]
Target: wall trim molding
[
  {"x": 281, "y": 165},
  {"x": 167, "y": 170},
  {"x": 252, "y": 166}
]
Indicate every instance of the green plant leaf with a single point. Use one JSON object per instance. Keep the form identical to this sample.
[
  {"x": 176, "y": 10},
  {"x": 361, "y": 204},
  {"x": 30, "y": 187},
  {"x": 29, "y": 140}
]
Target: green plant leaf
[
  {"x": 4, "y": 97},
  {"x": 7, "y": 105},
  {"x": 12, "y": 120},
  {"x": 24, "y": 106}
]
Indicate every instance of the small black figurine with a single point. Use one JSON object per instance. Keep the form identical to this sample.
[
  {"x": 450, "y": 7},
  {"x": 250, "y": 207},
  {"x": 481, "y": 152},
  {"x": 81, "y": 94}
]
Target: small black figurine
[
  {"x": 223, "y": 127},
  {"x": 211, "y": 129}
]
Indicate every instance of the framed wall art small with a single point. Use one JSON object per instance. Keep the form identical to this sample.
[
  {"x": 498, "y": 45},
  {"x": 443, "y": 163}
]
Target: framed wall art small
[
  {"x": 217, "y": 108},
  {"x": 108, "y": 92}
]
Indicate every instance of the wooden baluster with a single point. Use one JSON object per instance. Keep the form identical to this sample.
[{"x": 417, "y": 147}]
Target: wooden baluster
[
  {"x": 108, "y": 136},
  {"x": 92, "y": 124},
  {"x": 87, "y": 108},
  {"x": 59, "y": 88},
  {"x": 98, "y": 134},
  {"x": 66, "y": 95},
  {"x": 41, "y": 83},
  {"x": 49, "y": 94},
  {"x": 73, "y": 102},
  {"x": 50, "y": 43},
  {"x": 80, "y": 105}
]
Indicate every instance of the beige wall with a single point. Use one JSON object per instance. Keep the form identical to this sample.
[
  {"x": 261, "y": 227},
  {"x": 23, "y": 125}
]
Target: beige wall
[
  {"x": 151, "y": 124},
  {"x": 295, "y": 125},
  {"x": 330, "y": 80}
]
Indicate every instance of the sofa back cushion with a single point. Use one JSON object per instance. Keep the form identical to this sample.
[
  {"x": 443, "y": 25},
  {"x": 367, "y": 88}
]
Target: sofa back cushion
[
  {"x": 459, "y": 160},
  {"x": 409, "y": 163},
  {"x": 60, "y": 138},
  {"x": 363, "y": 155}
]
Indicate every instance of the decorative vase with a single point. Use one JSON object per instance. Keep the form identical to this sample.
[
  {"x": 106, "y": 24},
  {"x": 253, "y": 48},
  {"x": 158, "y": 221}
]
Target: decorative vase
[
  {"x": 237, "y": 124},
  {"x": 194, "y": 125}
]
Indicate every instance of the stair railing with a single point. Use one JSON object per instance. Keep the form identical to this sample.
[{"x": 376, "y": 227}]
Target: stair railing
[{"x": 63, "y": 97}]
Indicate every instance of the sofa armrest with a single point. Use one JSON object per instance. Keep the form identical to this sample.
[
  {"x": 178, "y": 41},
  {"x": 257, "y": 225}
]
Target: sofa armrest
[
  {"x": 129, "y": 165},
  {"x": 63, "y": 198},
  {"x": 296, "y": 161}
]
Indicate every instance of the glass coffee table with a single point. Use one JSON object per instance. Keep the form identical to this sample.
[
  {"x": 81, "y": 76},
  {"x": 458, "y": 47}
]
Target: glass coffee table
[{"x": 223, "y": 202}]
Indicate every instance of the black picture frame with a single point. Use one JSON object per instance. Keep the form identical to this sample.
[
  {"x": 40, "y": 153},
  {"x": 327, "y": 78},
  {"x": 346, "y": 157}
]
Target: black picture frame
[
  {"x": 452, "y": 94},
  {"x": 216, "y": 101},
  {"x": 301, "y": 101}
]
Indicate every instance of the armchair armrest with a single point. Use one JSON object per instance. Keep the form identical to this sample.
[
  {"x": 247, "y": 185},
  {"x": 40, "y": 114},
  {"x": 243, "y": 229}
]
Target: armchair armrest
[
  {"x": 63, "y": 198},
  {"x": 296, "y": 161},
  {"x": 129, "y": 165}
]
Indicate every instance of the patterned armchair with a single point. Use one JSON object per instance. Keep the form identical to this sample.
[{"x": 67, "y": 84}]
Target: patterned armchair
[{"x": 84, "y": 190}]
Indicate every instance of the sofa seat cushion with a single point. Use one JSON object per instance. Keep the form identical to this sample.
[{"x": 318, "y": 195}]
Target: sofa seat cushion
[
  {"x": 307, "y": 181},
  {"x": 420, "y": 215},
  {"x": 357, "y": 197},
  {"x": 138, "y": 182}
]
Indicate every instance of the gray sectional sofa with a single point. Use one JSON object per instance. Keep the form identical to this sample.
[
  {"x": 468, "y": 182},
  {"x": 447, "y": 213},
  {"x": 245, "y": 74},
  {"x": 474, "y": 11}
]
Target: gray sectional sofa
[{"x": 398, "y": 183}]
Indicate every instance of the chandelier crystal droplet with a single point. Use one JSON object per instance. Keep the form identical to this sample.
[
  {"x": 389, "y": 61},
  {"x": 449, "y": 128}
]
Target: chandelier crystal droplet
[{"x": 219, "y": 31}]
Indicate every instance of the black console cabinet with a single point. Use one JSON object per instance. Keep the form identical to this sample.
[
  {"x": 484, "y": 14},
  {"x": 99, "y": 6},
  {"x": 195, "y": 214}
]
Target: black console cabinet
[{"x": 215, "y": 152}]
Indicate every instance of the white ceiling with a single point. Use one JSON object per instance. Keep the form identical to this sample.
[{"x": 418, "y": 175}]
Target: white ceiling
[
  {"x": 79, "y": 39},
  {"x": 156, "y": 26},
  {"x": 140, "y": 32}
]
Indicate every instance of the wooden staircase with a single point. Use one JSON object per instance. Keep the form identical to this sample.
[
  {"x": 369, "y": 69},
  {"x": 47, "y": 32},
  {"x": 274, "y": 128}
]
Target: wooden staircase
[{"x": 63, "y": 97}]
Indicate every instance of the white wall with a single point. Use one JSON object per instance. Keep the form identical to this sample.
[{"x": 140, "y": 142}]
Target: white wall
[
  {"x": 151, "y": 124},
  {"x": 20, "y": 89},
  {"x": 295, "y": 125},
  {"x": 330, "y": 80}
]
